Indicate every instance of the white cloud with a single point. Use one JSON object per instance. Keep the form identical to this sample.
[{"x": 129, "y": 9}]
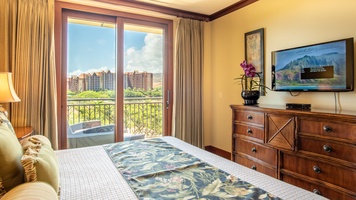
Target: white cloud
[
  {"x": 149, "y": 58},
  {"x": 78, "y": 72},
  {"x": 100, "y": 69}
]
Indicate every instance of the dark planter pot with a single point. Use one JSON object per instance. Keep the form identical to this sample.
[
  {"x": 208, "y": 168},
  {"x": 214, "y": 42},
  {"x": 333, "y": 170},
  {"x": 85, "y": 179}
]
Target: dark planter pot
[{"x": 250, "y": 97}]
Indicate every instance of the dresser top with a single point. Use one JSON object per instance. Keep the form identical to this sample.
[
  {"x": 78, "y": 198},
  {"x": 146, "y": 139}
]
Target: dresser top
[{"x": 266, "y": 107}]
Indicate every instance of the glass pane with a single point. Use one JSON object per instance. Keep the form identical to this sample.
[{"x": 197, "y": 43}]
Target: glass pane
[
  {"x": 91, "y": 61},
  {"x": 143, "y": 81}
]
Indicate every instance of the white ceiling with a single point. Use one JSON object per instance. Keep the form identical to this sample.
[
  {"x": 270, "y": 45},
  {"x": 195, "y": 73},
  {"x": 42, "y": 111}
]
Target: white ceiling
[{"x": 206, "y": 7}]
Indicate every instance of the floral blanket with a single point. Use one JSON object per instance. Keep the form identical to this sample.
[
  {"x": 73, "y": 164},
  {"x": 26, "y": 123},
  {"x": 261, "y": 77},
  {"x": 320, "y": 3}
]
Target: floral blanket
[{"x": 157, "y": 170}]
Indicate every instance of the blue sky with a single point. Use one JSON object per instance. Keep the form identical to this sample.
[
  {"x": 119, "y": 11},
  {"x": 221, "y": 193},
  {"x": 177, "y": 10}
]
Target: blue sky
[{"x": 92, "y": 48}]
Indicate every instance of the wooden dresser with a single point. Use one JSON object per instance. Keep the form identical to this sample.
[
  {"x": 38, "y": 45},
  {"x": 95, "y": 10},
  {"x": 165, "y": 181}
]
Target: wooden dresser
[{"x": 314, "y": 150}]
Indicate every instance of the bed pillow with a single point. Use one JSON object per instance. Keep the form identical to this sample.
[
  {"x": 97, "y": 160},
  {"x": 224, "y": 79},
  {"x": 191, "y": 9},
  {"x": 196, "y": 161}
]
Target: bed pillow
[
  {"x": 11, "y": 170},
  {"x": 41, "y": 164}
]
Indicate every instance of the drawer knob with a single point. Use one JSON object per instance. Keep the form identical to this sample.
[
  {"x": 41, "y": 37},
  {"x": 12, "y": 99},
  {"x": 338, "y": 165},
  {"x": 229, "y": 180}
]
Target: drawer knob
[
  {"x": 254, "y": 150},
  {"x": 316, "y": 191},
  {"x": 317, "y": 169},
  {"x": 249, "y": 131},
  {"x": 234, "y": 135},
  {"x": 327, "y": 148},
  {"x": 254, "y": 167},
  {"x": 327, "y": 128},
  {"x": 249, "y": 117}
]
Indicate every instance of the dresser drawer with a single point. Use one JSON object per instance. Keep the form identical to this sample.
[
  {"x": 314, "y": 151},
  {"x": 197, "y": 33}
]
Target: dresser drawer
[
  {"x": 256, "y": 118},
  {"x": 325, "y": 128},
  {"x": 328, "y": 148},
  {"x": 266, "y": 154},
  {"x": 325, "y": 192},
  {"x": 340, "y": 176},
  {"x": 250, "y": 131},
  {"x": 256, "y": 166},
  {"x": 280, "y": 131}
]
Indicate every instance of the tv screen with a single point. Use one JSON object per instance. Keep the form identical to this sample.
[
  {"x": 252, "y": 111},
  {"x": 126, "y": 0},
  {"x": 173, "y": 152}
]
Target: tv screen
[{"x": 319, "y": 67}]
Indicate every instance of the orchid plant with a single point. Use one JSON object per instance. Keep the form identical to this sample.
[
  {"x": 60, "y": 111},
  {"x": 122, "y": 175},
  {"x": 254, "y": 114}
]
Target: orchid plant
[{"x": 250, "y": 80}]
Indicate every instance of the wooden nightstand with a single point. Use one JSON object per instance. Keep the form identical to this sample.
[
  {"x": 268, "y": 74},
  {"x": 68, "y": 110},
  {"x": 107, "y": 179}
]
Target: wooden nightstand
[{"x": 23, "y": 132}]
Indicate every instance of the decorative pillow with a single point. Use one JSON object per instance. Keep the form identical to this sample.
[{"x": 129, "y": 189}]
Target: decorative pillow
[
  {"x": 11, "y": 170},
  {"x": 4, "y": 120},
  {"x": 41, "y": 164},
  {"x": 34, "y": 140}
]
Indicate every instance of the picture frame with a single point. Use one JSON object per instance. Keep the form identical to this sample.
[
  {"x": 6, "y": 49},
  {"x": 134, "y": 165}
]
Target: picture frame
[{"x": 254, "y": 52}]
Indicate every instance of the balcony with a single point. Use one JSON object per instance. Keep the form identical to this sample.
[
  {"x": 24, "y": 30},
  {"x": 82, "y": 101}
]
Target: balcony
[{"x": 141, "y": 115}]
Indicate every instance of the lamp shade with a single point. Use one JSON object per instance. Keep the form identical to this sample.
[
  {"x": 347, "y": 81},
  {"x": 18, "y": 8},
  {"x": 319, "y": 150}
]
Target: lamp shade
[{"x": 7, "y": 92}]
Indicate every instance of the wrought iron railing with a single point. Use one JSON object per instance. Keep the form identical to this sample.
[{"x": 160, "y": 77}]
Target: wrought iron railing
[{"x": 141, "y": 115}]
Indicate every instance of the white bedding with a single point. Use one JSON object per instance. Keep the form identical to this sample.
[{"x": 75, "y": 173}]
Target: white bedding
[{"x": 88, "y": 173}]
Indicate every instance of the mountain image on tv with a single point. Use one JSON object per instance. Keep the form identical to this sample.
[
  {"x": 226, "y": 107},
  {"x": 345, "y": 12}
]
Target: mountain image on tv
[
  {"x": 292, "y": 71},
  {"x": 317, "y": 66}
]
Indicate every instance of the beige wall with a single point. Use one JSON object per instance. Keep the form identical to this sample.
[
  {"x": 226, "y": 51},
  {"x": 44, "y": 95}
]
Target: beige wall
[{"x": 287, "y": 23}]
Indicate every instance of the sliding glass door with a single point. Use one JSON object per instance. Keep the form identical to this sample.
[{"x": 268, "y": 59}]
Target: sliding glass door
[
  {"x": 91, "y": 66},
  {"x": 143, "y": 80},
  {"x": 117, "y": 79}
]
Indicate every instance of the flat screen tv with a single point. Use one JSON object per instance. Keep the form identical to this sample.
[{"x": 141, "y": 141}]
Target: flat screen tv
[{"x": 325, "y": 67}]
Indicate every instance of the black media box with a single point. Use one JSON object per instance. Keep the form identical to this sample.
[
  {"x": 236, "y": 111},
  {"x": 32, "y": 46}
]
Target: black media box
[{"x": 298, "y": 106}]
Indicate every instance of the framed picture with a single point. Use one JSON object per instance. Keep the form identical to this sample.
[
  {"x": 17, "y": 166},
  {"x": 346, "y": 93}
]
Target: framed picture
[{"x": 254, "y": 51}]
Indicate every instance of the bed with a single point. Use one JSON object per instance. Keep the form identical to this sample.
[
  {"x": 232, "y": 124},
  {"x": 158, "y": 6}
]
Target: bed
[
  {"x": 90, "y": 173},
  {"x": 155, "y": 168}
]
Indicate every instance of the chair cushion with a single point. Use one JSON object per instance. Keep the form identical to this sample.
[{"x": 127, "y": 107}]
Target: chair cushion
[
  {"x": 11, "y": 170},
  {"x": 40, "y": 162},
  {"x": 35, "y": 190}
]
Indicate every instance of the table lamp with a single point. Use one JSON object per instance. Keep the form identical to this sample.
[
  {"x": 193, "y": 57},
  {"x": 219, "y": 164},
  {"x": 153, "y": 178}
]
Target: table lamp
[{"x": 7, "y": 92}]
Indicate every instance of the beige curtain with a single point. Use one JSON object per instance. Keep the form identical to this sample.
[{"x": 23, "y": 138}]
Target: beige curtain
[
  {"x": 29, "y": 55},
  {"x": 188, "y": 82}
]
